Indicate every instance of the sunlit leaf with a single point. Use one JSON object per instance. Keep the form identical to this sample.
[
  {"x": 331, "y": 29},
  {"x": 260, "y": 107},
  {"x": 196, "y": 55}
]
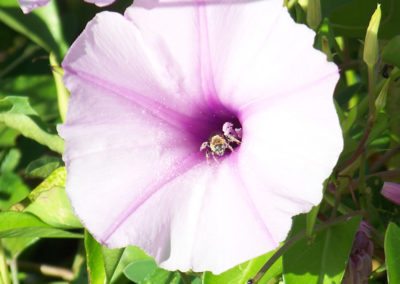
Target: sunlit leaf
[
  {"x": 245, "y": 271},
  {"x": 146, "y": 271},
  {"x": 392, "y": 253},
  {"x": 12, "y": 190},
  {"x": 15, "y": 112},
  {"x": 19, "y": 224},
  {"x": 51, "y": 204},
  {"x": 10, "y": 160},
  {"x": 94, "y": 260},
  {"x": 112, "y": 258},
  {"x": 43, "y": 167}
]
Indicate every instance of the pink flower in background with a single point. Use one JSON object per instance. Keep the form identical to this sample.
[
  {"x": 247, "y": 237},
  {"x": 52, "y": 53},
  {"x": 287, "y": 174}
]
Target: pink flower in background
[
  {"x": 29, "y": 5},
  {"x": 391, "y": 191},
  {"x": 151, "y": 87}
]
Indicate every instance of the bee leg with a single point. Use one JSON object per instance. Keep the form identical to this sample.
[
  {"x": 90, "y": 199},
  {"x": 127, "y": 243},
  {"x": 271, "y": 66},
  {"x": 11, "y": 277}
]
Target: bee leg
[
  {"x": 230, "y": 147},
  {"x": 215, "y": 158},
  {"x": 232, "y": 139},
  {"x": 208, "y": 157}
]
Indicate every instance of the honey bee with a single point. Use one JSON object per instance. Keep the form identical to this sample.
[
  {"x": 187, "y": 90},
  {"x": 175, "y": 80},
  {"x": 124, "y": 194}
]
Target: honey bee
[{"x": 220, "y": 142}]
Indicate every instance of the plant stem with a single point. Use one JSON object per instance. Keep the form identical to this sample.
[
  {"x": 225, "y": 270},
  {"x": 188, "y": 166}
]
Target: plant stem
[
  {"x": 48, "y": 270},
  {"x": 14, "y": 271},
  {"x": 4, "y": 276},
  {"x": 386, "y": 157}
]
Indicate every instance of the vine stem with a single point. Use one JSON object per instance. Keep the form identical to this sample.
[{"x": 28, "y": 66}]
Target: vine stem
[
  {"x": 4, "y": 275},
  {"x": 48, "y": 270},
  {"x": 297, "y": 238}
]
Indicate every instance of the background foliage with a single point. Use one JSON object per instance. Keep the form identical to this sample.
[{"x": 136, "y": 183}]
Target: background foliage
[{"x": 41, "y": 241}]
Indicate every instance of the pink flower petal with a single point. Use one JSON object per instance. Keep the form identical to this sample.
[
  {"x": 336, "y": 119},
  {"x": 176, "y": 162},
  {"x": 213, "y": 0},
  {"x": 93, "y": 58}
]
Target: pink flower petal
[
  {"x": 391, "y": 191},
  {"x": 246, "y": 47},
  {"x": 29, "y": 5},
  {"x": 149, "y": 88},
  {"x": 101, "y": 3}
]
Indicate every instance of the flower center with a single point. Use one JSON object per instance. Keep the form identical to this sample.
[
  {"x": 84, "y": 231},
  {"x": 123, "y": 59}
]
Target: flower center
[{"x": 222, "y": 142}]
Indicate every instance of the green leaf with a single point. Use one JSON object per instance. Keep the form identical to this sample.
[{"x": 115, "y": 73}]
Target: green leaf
[
  {"x": 130, "y": 254},
  {"x": 7, "y": 136},
  {"x": 392, "y": 253},
  {"x": 322, "y": 259},
  {"x": 43, "y": 167},
  {"x": 16, "y": 112},
  {"x": 12, "y": 190},
  {"x": 245, "y": 271},
  {"x": 146, "y": 271},
  {"x": 390, "y": 53},
  {"x": 42, "y": 26},
  {"x": 112, "y": 258},
  {"x": 15, "y": 246},
  {"x": 10, "y": 161},
  {"x": 94, "y": 260},
  {"x": 51, "y": 204},
  {"x": 19, "y": 224},
  {"x": 138, "y": 271},
  {"x": 41, "y": 89}
]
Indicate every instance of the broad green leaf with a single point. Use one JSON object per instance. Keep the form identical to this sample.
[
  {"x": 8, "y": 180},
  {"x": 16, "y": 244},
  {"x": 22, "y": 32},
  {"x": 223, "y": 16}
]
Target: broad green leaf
[
  {"x": 245, "y": 271},
  {"x": 56, "y": 179},
  {"x": 12, "y": 190},
  {"x": 51, "y": 204},
  {"x": 15, "y": 246},
  {"x": 321, "y": 260},
  {"x": 390, "y": 53},
  {"x": 94, "y": 260},
  {"x": 392, "y": 253},
  {"x": 138, "y": 271},
  {"x": 43, "y": 167},
  {"x": 147, "y": 272},
  {"x": 130, "y": 254},
  {"x": 19, "y": 224},
  {"x": 42, "y": 26},
  {"x": 15, "y": 112},
  {"x": 53, "y": 207},
  {"x": 112, "y": 258}
]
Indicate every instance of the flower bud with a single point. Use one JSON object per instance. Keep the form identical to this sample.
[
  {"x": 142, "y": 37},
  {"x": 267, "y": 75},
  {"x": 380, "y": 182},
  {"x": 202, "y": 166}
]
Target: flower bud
[
  {"x": 314, "y": 13},
  {"x": 359, "y": 266},
  {"x": 371, "y": 49},
  {"x": 391, "y": 191}
]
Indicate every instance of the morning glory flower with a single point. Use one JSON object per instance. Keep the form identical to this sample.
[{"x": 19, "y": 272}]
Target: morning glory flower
[
  {"x": 158, "y": 95},
  {"x": 391, "y": 191},
  {"x": 29, "y": 5}
]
